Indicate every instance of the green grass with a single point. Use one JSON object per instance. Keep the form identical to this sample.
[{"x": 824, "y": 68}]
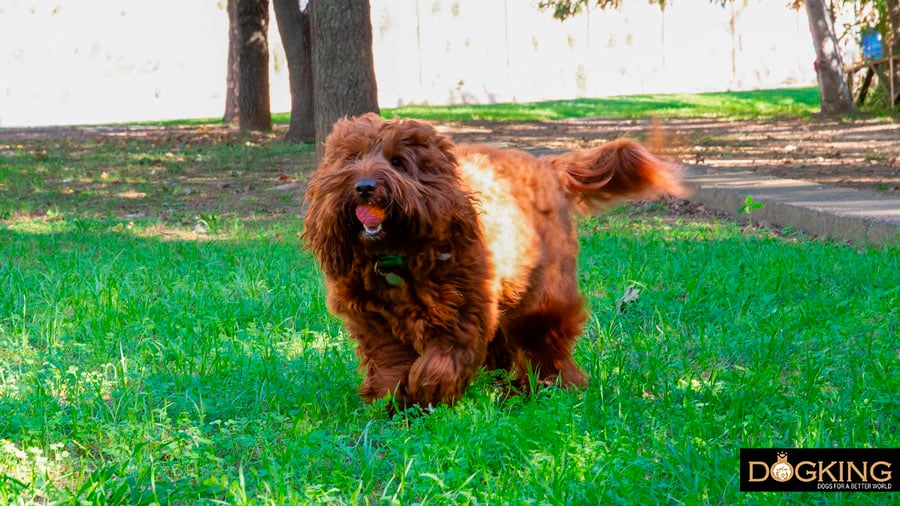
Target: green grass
[
  {"x": 135, "y": 369},
  {"x": 171, "y": 174},
  {"x": 164, "y": 340},
  {"x": 740, "y": 105},
  {"x": 773, "y": 103},
  {"x": 755, "y": 104}
]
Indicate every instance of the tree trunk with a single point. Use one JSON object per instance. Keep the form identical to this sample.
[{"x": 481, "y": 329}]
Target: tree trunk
[
  {"x": 231, "y": 87},
  {"x": 293, "y": 26},
  {"x": 833, "y": 90},
  {"x": 342, "y": 62},
  {"x": 254, "y": 111},
  {"x": 893, "y": 8}
]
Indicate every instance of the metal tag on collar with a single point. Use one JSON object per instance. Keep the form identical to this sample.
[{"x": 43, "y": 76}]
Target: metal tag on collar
[{"x": 392, "y": 279}]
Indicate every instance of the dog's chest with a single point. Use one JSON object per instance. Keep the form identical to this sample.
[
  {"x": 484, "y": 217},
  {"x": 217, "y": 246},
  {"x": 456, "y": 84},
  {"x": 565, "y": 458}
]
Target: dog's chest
[{"x": 407, "y": 297}]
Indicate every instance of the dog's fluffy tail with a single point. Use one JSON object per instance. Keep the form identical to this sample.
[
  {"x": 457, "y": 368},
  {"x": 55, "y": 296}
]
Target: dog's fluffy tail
[{"x": 597, "y": 178}]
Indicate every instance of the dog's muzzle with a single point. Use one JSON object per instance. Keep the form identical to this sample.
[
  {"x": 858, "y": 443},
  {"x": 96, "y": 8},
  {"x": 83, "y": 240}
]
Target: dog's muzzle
[
  {"x": 369, "y": 214},
  {"x": 365, "y": 188}
]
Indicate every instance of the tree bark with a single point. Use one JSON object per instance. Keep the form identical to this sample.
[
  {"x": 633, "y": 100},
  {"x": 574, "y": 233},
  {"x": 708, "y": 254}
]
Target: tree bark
[
  {"x": 254, "y": 110},
  {"x": 294, "y": 28},
  {"x": 893, "y": 8},
  {"x": 342, "y": 63},
  {"x": 833, "y": 90},
  {"x": 231, "y": 87}
]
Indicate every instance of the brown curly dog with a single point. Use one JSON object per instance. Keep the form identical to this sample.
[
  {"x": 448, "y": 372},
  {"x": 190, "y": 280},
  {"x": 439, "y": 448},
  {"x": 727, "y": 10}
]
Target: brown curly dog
[{"x": 442, "y": 259}]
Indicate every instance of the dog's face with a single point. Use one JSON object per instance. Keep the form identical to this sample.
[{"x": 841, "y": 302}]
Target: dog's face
[{"x": 381, "y": 185}]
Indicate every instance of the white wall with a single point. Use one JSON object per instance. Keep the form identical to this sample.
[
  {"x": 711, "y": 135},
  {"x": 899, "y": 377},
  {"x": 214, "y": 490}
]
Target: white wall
[{"x": 91, "y": 61}]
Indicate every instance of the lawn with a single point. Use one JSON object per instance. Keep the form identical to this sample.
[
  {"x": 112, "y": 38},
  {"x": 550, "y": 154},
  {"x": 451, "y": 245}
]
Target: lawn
[
  {"x": 163, "y": 339},
  {"x": 734, "y": 104}
]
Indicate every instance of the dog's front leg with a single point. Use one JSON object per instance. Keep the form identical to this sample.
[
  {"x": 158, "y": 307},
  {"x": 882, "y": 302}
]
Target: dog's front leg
[
  {"x": 387, "y": 363},
  {"x": 445, "y": 368}
]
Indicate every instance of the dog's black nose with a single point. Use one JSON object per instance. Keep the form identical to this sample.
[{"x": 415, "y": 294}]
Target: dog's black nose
[{"x": 365, "y": 188}]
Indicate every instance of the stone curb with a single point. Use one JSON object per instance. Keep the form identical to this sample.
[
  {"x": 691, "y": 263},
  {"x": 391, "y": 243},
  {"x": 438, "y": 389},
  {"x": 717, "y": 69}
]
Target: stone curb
[{"x": 846, "y": 214}]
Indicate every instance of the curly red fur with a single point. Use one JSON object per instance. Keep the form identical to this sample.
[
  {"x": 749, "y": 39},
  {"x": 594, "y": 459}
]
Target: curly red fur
[{"x": 482, "y": 248}]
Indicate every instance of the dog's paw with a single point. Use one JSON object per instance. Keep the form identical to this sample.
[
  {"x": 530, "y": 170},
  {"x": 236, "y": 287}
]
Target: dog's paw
[{"x": 435, "y": 379}]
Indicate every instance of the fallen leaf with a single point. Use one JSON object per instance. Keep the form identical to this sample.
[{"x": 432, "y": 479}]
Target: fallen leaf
[{"x": 632, "y": 293}]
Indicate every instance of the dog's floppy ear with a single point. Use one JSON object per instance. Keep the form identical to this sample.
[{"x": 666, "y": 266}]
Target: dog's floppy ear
[
  {"x": 323, "y": 232},
  {"x": 439, "y": 148},
  {"x": 332, "y": 255},
  {"x": 464, "y": 227}
]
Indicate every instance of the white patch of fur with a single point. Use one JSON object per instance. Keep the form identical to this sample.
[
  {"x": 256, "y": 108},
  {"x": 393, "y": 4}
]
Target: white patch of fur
[{"x": 505, "y": 226}]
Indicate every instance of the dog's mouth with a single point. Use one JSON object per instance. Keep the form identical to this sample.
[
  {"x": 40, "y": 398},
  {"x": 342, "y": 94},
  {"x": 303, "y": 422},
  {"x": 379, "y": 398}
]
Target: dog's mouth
[{"x": 371, "y": 217}]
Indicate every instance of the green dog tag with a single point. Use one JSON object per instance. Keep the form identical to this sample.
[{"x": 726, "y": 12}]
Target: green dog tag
[{"x": 393, "y": 279}]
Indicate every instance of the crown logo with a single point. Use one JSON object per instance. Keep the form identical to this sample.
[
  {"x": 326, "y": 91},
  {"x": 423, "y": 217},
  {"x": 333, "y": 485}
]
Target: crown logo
[{"x": 782, "y": 470}]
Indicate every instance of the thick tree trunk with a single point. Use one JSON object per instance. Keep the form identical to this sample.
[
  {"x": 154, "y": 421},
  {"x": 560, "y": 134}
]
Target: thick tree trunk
[
  {"x": 833, "y": 90},
  {"x": 293, "y": 26},
  {"x": 254, "y": 111},
  {"x": 343, "y": 67},
  {"x": 231, "y": 86}
]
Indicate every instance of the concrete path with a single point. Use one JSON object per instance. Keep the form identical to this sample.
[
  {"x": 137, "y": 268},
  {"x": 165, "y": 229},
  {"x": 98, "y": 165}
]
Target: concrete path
[{"x": 859, "y": 216}]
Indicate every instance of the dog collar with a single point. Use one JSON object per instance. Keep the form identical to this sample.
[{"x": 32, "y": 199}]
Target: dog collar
[{"x": 389, "y": 261}]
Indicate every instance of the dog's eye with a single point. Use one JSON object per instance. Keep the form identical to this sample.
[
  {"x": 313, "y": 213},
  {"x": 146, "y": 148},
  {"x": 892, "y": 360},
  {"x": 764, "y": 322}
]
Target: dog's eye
[{"x": 396, "y": 162}]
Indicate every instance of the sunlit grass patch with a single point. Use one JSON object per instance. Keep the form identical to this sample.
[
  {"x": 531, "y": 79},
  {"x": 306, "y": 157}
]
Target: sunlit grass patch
[
  {"x": 138, "y": 367},
  {"x": 736, "y": 105}
]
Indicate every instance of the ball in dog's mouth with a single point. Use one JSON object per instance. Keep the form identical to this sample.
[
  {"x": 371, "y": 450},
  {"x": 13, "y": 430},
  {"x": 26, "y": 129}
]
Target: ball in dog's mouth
[{"x": 371, "y": 218}]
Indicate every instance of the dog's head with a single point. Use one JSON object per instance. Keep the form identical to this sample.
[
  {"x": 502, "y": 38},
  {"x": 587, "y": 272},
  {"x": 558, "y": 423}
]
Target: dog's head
[{"x": 381, "y": 186}]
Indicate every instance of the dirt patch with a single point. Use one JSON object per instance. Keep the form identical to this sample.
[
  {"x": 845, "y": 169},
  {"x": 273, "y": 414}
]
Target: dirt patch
[
  {"x": 178, "y": 174},
  {"x": 198, "y": 174},
  {"x": 862, "y": 154}
]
